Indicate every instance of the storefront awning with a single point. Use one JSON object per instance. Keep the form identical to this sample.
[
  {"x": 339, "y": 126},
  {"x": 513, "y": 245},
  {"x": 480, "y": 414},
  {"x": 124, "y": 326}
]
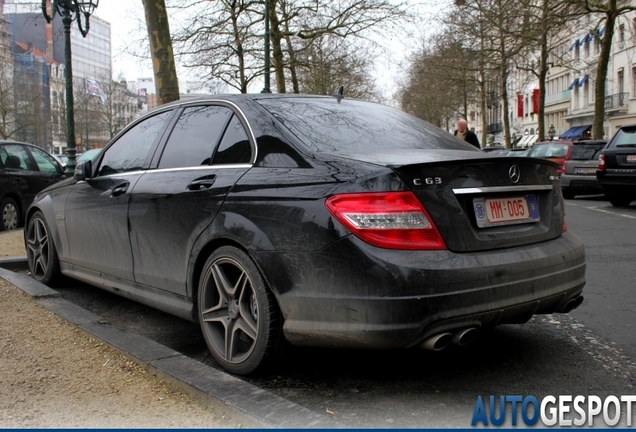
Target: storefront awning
[
  {"x": 575, "y": 132},
  {"x": 526, "y": 141},
  {"x": 583, "y": 80}
]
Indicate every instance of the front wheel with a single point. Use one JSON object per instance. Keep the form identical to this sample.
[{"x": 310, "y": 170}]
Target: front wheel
[
  {"x": 41, "y": 253},
  {"x": 239, "y": 316}
]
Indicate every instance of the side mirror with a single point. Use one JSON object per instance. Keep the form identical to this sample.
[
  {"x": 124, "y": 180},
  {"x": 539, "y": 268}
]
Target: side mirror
[{"x": 83, "y": 170}]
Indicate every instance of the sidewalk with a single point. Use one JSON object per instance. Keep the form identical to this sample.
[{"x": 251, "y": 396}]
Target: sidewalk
[
  {"x": 64, "y": 366},
  {"x": 55, "y": 375}
]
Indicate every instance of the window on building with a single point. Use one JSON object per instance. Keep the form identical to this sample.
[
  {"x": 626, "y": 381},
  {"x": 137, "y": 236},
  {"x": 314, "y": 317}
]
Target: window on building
[{"x": 575, "y": 97}]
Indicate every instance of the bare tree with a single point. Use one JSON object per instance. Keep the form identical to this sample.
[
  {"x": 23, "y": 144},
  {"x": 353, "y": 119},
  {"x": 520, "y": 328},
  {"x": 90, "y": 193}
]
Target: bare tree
[
  {"x": 330, "y": 62},
  {"x": 295, "y": 21},
  {"x": 441, "y": 82},
  {"x": 162, "y": 55},
  {"x": 7, "y": 102},
  {"x": 114, "y": 106},
  {"x": 30, "y": 110},
  {"x": 225, "y": 38},
  {"x": 543, "y": 22},
  {"x": 610, "y": 11}
]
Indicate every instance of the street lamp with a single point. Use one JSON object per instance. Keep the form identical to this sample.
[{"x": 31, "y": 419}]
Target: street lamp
[
  {"x": 266, "y": 89},
  {"x": 70, "y": 10},
  {"x": 551, "y": 132}
]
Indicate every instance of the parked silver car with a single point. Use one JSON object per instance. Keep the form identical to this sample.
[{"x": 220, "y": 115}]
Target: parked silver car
[{"x": 579, "y": 175}]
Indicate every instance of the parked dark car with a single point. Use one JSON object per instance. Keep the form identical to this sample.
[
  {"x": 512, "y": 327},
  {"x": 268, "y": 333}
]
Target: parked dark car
[
  {"x": 616, "y": 172},
  {"x": 497, "y": 149},
  {"x": 324, "y": 221},
  {"x": 518, "y": 152},
  {"x": 579, "y": 173},
  {"x": 25, "y": 170}
]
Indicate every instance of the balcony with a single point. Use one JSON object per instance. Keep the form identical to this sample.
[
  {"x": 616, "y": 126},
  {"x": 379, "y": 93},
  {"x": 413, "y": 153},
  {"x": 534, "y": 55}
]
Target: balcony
[
  {"x": 616, "y": 102},
  {"x": 495, "y": 128},
  {"x": 563, "y": 96}
]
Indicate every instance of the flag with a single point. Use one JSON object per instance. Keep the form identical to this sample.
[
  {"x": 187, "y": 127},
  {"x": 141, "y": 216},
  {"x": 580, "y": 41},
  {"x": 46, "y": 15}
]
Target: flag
[{"x": 93, "y": 88}]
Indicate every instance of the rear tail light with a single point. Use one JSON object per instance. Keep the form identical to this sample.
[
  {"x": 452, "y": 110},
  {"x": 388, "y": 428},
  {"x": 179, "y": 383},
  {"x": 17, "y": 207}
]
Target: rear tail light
[
  {"x": 561, "y": 169},
  {"x": 601, "y": 162},
  {"x": 391, "y": 220}
]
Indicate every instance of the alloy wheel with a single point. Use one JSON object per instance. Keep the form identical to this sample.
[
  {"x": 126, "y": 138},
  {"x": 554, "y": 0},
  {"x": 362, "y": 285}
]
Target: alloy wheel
[
  {"x": 38, "y": 250},
  {"x": 9, "y": 216},
  {"x": 230, "y": 311}
]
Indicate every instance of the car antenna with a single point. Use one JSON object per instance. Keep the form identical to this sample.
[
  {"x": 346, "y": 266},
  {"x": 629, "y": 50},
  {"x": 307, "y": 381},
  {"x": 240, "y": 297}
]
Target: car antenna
[{"x": 339, "y": 95}]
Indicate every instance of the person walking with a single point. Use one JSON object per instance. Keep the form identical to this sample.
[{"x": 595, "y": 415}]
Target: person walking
[{"x": 467, "y": 135}]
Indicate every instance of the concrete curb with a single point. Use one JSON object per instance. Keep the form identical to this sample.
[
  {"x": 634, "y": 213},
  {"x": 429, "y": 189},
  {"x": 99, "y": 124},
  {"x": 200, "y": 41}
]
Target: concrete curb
[{"x": 253, "y": 406}]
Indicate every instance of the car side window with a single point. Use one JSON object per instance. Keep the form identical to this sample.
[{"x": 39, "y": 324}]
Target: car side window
[
  {"x": 131, "y": 151},
  {"x": 45, "y": 162},
  {"x": 195, "y": 136},
  {"x": 17, "y": 158},
  {"x": 235, "y": 147}
]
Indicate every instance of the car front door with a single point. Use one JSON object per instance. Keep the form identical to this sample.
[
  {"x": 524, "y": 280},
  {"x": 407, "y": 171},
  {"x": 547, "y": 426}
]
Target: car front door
[
  {"x": 97, "y": 209},
  {"x": 20, "y": 173},
  {"x": 206, "y": 153}
]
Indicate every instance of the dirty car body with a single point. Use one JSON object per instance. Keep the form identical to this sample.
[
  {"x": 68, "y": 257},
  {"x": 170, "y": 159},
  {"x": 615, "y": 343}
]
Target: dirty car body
[{"x": 324, "y": 221}]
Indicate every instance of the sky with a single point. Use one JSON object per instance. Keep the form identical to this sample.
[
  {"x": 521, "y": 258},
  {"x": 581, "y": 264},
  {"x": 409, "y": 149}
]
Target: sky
[
  {"x": 125, "y": 18},
  {"x": 127, "y": 25}
]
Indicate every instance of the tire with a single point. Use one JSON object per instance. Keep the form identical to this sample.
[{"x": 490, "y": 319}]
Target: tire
[
  {"x": 568, "y": 194},
  {"x": 620, "y": 201},
  {"x": 239, "y": 316},
  {"x": 42, "y": 258},
  {"x": 10, "y": 215}
]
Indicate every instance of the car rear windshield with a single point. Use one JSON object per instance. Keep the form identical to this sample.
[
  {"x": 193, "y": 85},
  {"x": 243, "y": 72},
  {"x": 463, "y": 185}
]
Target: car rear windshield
[
  {"x": 545, "y": 151},
  {"x": 326, "y": 125},
  {"x": 624, "y": 137},
  {"x": 586, "y": 151}
]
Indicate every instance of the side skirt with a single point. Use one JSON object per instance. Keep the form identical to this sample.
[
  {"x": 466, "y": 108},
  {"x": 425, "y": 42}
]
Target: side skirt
[{"x": 180, "y": 306}]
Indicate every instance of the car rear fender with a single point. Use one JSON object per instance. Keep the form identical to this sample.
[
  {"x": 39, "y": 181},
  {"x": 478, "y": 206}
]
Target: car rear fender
[{"x": 227, "y": 229}]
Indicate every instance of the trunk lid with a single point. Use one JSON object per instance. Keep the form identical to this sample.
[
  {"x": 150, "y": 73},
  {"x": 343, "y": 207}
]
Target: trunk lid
[{"x": 478, "y": 201}]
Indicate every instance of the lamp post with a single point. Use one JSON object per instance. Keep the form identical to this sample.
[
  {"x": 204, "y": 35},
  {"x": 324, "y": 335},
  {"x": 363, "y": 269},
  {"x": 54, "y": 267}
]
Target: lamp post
[
  {"x": 551, "y": 132},
  {"x": 70, "y": 10}
]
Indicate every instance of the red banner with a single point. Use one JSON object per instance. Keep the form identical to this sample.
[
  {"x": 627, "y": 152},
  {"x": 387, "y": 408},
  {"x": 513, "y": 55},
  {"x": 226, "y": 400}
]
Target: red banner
[
  {"x": 535, "y": 101},
  {"x": 519, "y": 105}
]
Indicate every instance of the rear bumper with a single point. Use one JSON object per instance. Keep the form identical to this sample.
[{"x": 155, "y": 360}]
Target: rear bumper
[
  {"x": 352, "y": 295},
  {"x": 582, "y": 183},
  {"x": 616, "y": 180}
]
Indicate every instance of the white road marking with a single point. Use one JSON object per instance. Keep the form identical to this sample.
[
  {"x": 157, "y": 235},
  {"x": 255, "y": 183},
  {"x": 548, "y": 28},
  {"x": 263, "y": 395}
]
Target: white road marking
[{"x": 595, "y": 208}]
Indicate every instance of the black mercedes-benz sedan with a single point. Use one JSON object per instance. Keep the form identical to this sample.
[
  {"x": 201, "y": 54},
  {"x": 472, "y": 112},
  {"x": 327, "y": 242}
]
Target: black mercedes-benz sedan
[{"x": 320, "y": 220}]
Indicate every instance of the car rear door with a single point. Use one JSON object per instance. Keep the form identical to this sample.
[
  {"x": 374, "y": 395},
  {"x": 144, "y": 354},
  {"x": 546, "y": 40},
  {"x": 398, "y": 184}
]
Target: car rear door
[
  {"x": 208, "y": 150},
  {"x": 96, "y": 214},
  {"x": 50, "y": 170}
]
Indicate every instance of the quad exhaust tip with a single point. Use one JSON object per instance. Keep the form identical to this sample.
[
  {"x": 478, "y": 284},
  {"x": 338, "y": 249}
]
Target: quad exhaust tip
[{"x": 440, "y": 341}]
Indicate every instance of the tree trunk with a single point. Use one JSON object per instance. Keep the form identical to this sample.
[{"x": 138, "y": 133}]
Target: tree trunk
[
  {"x": 275, "y": 35},
  {"x": 163, "y": 65},
  {"x": 601, "y": 76}
]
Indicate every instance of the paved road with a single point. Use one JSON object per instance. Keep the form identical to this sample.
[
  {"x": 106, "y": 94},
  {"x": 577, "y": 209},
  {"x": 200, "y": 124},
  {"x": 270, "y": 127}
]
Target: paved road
[
  {"x": 589, "y": 351},
  {"x": 610, "y": 244}
]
